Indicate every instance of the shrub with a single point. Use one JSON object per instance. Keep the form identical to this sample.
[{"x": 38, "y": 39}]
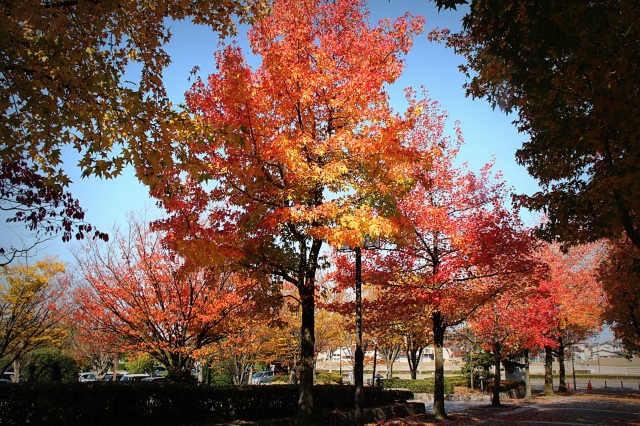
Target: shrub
[
  {"x": 108, "y": 403},
  {"x": 141, "y": 364},
  {"x": 281, "y": 378},
  {"x": 329, "y": 378},
  {"x": 425, "y": 385},
  {"x": 50, "y": 365},
  {"x": 506, "y": 385}
]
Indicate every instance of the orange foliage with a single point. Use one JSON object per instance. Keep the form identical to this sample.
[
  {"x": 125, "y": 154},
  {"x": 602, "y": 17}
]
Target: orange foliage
[{"x": 154, "y": 301}]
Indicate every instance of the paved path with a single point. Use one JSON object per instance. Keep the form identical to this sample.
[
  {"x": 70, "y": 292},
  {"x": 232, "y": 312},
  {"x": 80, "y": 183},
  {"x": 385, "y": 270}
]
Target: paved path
[{"x": 610, "y": 406}]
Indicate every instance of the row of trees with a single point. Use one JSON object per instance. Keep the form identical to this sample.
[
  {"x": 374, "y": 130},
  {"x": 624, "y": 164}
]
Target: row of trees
[{"x": 128, "y": 298}]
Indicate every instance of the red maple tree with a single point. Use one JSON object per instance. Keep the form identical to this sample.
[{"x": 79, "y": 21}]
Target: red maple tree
[
  {"x": 300, "y": 151},
  {"x": 464, "y": 247},
  {"x": 154, "y": 301},
  {"x": 574, "y": 297}
]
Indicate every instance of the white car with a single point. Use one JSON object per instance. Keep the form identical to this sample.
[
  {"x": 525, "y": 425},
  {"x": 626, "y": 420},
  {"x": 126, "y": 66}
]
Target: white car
[
  {"x": 86, "y": 377},
  {"x": 133, "y": 377},
  {"x": 262, "y": 377}
]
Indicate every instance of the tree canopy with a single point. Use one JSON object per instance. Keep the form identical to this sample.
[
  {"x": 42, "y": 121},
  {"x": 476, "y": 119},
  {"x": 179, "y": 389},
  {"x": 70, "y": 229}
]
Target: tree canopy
[
  {"x": 303, "y": 150},
  {"x": 30, "y": 308},
  {"x": 570, "y": 72},
  {"x": 86, "y": 76}
]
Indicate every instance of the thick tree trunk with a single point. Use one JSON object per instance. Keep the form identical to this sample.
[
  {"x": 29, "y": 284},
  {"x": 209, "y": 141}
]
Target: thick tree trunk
[
  {"x": 548, "y": 371},
  {"x": 563, "y": 374},
  {"x": 527, "y": 377},
  {"x": 497, "y": 354},
  {"x": 306, "y": 289},
  {"x": 307, "y": 338},
  {"x": 439, "y": 329}
]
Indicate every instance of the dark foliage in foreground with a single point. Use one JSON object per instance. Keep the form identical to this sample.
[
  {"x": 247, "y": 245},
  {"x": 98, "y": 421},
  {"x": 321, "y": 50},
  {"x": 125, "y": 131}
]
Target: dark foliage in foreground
[{"x": 151, "y": 404}]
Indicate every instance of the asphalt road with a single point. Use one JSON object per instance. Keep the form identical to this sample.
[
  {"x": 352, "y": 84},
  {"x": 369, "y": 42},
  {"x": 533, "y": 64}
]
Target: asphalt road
[{"x": 599, "y": 406}]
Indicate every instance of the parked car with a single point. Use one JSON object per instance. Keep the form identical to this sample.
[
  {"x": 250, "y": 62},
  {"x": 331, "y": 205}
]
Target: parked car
[
  {"x": 154, "y": 379},
  {"x": 159, "y": 370},
  {"x": 109, "y": 377},
  {"x": 86, "y": 377},
  {"x": 134, "y": 377},
  {"x": 262, "y": 377}
]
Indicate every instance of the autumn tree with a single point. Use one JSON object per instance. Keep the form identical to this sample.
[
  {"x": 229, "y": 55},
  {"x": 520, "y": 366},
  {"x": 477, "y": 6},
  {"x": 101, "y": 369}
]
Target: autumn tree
[
  {"x": 513, "y": 323},
  {"x": 390, "y": 348},
  {"x": 575, "y": 298},
  {"x": 569, "y": 70},
  {"x": 250, "y": 342},
  {"x": 619, "y": 273},
  {"x": 63, "y": 88},
  {"x": 462, "y": 234},
  {"x": 30, "y": 308},
  {"x": 90, "y": 342},
  {"x": 152, "y": 299},
  {"x": 302, "y": 150}
]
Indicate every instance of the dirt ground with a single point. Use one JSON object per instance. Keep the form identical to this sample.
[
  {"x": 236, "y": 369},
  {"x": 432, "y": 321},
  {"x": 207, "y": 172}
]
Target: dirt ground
[{"x": 583, "y": 407}]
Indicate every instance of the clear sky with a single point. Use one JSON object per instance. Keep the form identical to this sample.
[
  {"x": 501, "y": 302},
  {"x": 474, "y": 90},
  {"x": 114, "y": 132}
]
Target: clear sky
[{"x": 487, "y": 132}]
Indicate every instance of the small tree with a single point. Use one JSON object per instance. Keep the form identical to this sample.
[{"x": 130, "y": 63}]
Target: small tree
[
  {"x": 30, "y": 308},
  {"x": 620, "y": 274}
]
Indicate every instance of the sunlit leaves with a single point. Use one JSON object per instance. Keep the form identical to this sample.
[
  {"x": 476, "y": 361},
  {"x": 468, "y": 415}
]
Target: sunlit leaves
[
  {"x": 63, "y": 87},
  {"x": 30, "y": 308},
  {"x": 153, "y": 300}
]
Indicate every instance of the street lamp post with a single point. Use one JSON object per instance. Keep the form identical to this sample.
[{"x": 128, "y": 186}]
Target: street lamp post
[
  {"x": 573, "y": 369},
  {"x": 358, "y": 366}
]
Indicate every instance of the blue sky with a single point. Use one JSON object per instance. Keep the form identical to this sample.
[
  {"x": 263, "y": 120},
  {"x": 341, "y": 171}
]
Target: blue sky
[{"x": 487, "y": 132}]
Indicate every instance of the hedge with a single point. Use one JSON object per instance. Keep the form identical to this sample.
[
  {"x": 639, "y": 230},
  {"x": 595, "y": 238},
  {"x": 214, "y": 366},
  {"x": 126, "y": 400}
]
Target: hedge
[
  {"x": 106, "y": 403},
  {"x": 424, "y": 385}
]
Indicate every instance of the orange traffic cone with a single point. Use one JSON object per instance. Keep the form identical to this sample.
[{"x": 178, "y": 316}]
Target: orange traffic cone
[{"x": 589, "y": 387}]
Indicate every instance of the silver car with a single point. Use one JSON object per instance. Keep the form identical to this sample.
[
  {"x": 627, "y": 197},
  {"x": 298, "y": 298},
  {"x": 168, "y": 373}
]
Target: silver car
[
  {"x": 262, "y": 377},
  {"x": 86, "y": 377}
]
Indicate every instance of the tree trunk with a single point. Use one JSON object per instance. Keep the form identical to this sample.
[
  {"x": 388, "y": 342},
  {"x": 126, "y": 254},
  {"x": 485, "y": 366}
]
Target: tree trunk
[
  {"x": 306, "y": 288},
  {"x": 548, "y": 371},
  {"x": 413, "y": 349},
  {"x": 497, "y": 354},
  {"x": 439, "y": 329},
  {"x": 16, "y": 371},
  {"x": 527, "y": 377},
  {"x": 305, "y": 401},
  {"x": 563, "y": 375},
  {"x": 375, "y": 363},
  {"x": 389, "y": 355}
]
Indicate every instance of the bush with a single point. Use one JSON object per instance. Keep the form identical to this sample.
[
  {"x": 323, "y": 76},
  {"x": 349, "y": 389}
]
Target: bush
[
  {"x": 329, "y": 378},
  {"x": 108, "y": 403},
  {"x": 50, "y": 365},
  {"x": 425, "y": 385},
  {"x": 141, "y": 364},
  {"x": 281, "y": 378},
  {"x": 505, "y": 385}
]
